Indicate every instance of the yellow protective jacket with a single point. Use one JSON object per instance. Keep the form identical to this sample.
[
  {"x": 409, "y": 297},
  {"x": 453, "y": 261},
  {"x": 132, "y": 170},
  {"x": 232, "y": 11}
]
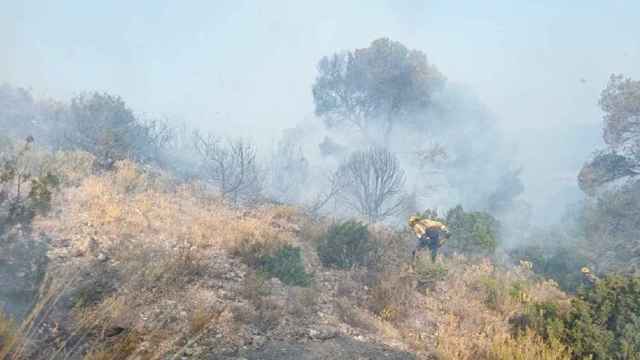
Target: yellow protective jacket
[{"x": 422, "y": 226}]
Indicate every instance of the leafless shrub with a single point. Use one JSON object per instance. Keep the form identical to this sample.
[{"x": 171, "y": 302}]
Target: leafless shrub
[
  {"x": 371, "y": 184},
  {"x": 231, "y": 166},
  {"x": 289, "y": 172},
  {"x": 266, "y": 313},
  {"x": 353, "y": 315},
  {"x": 393, "y": 296}
]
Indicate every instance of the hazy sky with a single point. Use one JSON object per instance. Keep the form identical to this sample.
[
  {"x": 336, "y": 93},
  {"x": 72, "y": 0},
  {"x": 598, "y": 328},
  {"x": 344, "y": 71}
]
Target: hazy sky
[{"x": 247, "y": 66}]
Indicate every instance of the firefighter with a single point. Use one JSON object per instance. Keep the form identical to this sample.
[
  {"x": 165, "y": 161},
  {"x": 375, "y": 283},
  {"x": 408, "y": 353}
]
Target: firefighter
[
  {"x": 430, "y": 233},
  {"x": 588, "y": 278}
]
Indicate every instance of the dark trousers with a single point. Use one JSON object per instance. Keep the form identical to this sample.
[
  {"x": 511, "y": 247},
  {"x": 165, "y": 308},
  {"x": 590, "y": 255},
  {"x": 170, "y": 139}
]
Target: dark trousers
[{"x": 431, "y": 240}]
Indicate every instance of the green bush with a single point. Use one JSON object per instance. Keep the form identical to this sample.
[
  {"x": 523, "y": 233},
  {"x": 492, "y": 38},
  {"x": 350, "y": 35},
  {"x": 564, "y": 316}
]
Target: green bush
[
  {"x": 345, "y": 245},
  {"x": 103, "y": 125},
  {"x": 472, "y": 233},
  {"x": 286, "y": 264},
  {"x": 603, "y": 322},
  {"x": 544, "y": 318},
  {"x": 561, "y": 264},
  {"x": 23, "y": 195},
  {"x": 495, "y": 292}
]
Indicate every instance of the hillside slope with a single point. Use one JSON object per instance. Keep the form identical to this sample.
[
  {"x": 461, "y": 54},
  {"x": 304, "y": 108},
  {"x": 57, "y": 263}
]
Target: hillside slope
[{"x": 143, "y": 267}]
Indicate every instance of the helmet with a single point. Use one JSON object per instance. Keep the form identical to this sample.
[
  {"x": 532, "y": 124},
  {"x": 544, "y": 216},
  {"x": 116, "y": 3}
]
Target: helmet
[
  {"x": 585, "y": 270},
  {"x": 413, "y": 220}
]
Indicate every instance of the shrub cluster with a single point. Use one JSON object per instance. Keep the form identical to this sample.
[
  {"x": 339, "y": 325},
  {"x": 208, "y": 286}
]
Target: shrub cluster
[
  {"x": 274, "y": 259},
  {"x": 601, "y": 323},
  {"x": 23, "y": 194},
  {"x": 561, "y": 264},
  {"x": 472, "y": 232},
  {"x": 345, "y": 245},
  {"x": 610, "y": 226}
]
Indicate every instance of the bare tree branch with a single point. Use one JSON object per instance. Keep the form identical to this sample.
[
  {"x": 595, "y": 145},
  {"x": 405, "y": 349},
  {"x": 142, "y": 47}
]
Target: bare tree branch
[
  {"x": 371, "y": 183},
  {"x": 231, "y": 166}
]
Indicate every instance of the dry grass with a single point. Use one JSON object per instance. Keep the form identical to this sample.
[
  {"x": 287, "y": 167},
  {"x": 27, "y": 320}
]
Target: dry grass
[
  {"x": 265, "y": 314},
  {"x": 158, "y": 233},
  {"x": 202, "y": 317},
  {"x": 7, "y": 332},
  {"x": 164, "y": 242},
  {"x": 528, "y": 346},
  {"x": 302, "y": 302},
  {"x": 160, "y": 240},
  {"x": 393, "y": 297},
  {"x": 120, "y": 349},
  {"x": 71, "y": 167},
  {"x": 129, "y": 203},
  {"x": 476, "y": 302},
  {"x": 353, "y": 315}
]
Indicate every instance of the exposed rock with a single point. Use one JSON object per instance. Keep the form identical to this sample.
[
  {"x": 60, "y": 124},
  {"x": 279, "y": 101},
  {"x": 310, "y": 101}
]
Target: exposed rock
[
  {"x": 102, "y": 257},
  {"x": 259, "y": 341},
  {"x": 322, "y": 333}
]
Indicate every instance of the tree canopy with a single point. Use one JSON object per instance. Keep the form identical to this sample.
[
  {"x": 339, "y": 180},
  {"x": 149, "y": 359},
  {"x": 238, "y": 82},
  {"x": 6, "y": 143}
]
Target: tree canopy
[
  {"x": 620, "y": 101},
  {"x": 376, "y": 86}
]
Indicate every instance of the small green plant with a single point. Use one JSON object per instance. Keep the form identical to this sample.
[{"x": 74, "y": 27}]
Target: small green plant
[
  {"x": 493, "y": 294},
  {"x": 345, "y": 245},
  {"x": 22, "y": 194},
  {"x": 252, "y": 251},
  {"x": 429, "y": 273},
  {"x": 496, "y": 293},
  {"x": 286, "y": 264},
  {"x": 518, "y": 292}
]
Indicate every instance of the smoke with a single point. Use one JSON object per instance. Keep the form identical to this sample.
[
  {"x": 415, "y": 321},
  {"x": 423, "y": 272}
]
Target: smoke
[
  {"x": 532, "y": 74},
  {"x": 453, "y": 154}
]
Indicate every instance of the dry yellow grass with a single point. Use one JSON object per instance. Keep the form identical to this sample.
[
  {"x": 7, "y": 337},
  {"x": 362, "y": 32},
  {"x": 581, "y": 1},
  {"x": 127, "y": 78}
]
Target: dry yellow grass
[
  {"x": 105, "y": 211},
  {"x": 476, "y": 303},
  {"x": 161, "y": 241},
  {"x": 7, "y": 332},
  {"x": 527, "y": 346}
]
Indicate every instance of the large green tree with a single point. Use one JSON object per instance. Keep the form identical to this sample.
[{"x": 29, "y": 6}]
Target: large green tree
[
  {"x": 620, "y": 101},
  {"x": 374, "y": 88},
  {"x": 611, "y": 219}
]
